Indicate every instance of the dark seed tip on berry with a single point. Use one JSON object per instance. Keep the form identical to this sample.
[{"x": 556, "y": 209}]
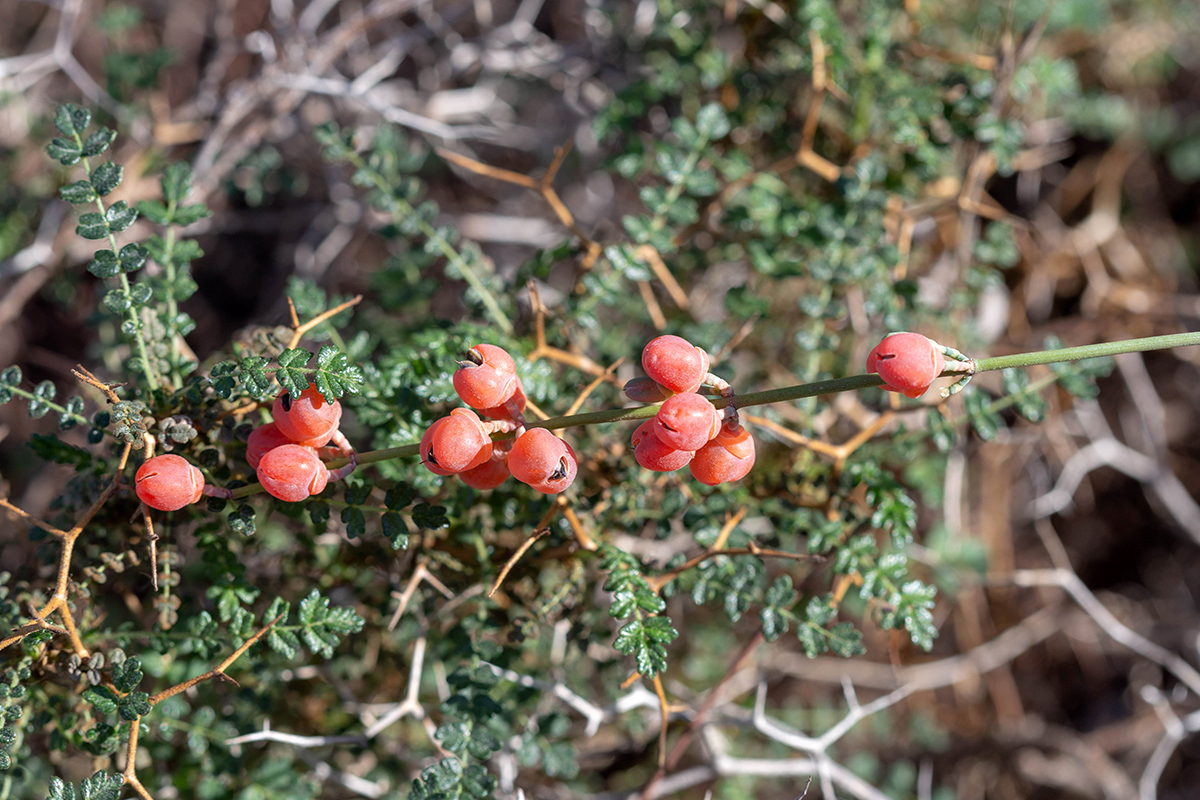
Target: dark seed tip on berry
[
  {"x": 473, "y": 358},
  {"x": 286, "y": 402}
]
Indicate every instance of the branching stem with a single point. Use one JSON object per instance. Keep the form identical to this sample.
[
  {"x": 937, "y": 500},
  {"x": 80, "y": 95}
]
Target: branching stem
[{"x": 815, "y": 389}]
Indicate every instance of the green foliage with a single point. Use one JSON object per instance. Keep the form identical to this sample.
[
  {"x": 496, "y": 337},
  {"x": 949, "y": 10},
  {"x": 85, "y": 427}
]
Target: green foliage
[
  {"x": 646, "y": 635},
  {"x": 786, "y": 246},
  {"x": 100, "y": 786}
]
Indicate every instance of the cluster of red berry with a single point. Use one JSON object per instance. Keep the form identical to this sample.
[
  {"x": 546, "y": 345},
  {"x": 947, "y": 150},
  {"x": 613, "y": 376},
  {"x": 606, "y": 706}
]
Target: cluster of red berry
[
  {"x": 285, "y": 453},
  {"x": 461, "y": 444},
  {"x": 688, "y": 429}
]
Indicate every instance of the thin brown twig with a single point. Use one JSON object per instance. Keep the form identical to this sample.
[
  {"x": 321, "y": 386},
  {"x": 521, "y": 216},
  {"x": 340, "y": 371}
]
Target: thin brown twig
[
  {"x": 657, "y": 318},
  {"x": 726, "y": 529},
  {"x": 319, "y": 318},
  {"x": 591, "y": 387},
  {"x": 742, "y": 333},
  {"x": 219, "y": 670},
  {"x": 130, "y": 772},
  {"x": 659, "y": 267},
  {"x": 30, "y": 518},
  {"x": 515, "y": 557},
  {"x": 701, "y": 716},
  {"x": 656, "y": 582},
  {"x": 487, "y": 170},
  {"x": 58, "y": 601},
  {"x": 665, "y": 709},
  {"x": 421, "y": 573},
  {"x": 542, "y": 350},
  {"x": 544, "y": 187},
  {"x": 152, "y": 543},
  {"x": 91, "y": 380},
  {"x": 585, "y": 541}
]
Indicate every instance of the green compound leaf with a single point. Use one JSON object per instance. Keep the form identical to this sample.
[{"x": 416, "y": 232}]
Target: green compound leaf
[
  {"x": 430, "y": 517},
  {"x": 1030, "y": 405},
  {"x": 252, "y": 372},
  {"x": 132, "y": 257},
  {"x": 154, "y": 211},
  {"x": 100, "y": 786},
  {"x": 776, "y": 612},
  {"x": 395, "y": 530},
  {"x": 70, "y": 119},
  {"x": 242, "y": 520},
  {"x": 134, "y": 705},
  {"x": 176, "y": 182},
  {"x": 118, "y": 301},
  {"x": 911, "y": 607},
  {"x": 140, "y": 294},
  {"x": 399, "y": 496},
  {"x": 98, "y": 142},
  {"x": 322, "y": 627},
  {"x": 711, "y": 122},
  {"x": 285, "y": 643},
  {"x": 224, "y": 379},
  {"x": 92, "y": 226},
  {"x": 817, "y": 637},
  {"x": 105, "y": 264},
  {"x": 120, "y": 216},
  {"x": 101, "y": 698},
  {"x": 106, "y": 177},
  {"x": 78, "y": 192},
  {"x": 43, "y": 395},
  {"x": 128, "y": 674},
  {"x": 291, "y": 374},
  {"x": 64, "y": 151},
  {"x": 335, "y": 376},
  {"x": 338, "y": 143},
  {"x": 987, "y": 423},
  {"x": 355, "y": 521},
  {"x": 646, "y": 640},
  {"x": 187, "y": 215}
]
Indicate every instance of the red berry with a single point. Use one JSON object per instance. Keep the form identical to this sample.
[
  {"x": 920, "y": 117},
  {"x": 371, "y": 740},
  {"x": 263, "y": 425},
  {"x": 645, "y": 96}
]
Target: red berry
[
  {"x": 907, "y": 362},
  {"x": 487, "y": 378},
  {"x": 264, "y": 439},
  {"x": 502, "y": 411},
  {"x": 168, "y": 483},
  {"x": 543, "y": 461},
  {"x": 292, "y": 472},
  {"x": 455, "y": 443},
  {"x": 675, "y": 363},
  {"x": 489, "y": 474},
  {"x": 728, "y": 457},
  {"x": 307, "y": 420},
  {"x": 686, "y": 421},
  {"x": 653, "y": 454}
]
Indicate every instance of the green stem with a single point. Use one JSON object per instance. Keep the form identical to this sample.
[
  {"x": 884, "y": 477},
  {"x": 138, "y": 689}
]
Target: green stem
[
  {"x": 172, "y": 303},
  {"x": 1088, "y": 351},
  {"x": 53, "y": 406},
  {"x": 140, "y": 341},
  {"x": 446, "y": 249},
  {"x": 816, "y": 389}
]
